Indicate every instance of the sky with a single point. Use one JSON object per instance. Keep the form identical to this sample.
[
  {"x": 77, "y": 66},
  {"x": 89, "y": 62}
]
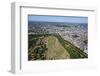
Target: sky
[{"x": 67, "y": 19}]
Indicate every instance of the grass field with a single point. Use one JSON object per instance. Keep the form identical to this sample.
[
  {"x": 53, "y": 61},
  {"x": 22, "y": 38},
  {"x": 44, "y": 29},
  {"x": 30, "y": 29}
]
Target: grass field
[
  {"x": 51, "y": 47},
  {"x": 55, "y": 49}
]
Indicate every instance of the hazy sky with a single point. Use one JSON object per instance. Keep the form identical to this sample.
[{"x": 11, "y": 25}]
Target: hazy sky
[{"x": 69, "y": 19}]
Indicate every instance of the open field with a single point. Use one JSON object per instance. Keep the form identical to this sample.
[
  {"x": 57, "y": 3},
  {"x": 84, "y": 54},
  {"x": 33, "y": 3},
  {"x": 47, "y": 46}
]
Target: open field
[
  {"x": 55, "y": 49},
  {"x": 51, "y": 47}
]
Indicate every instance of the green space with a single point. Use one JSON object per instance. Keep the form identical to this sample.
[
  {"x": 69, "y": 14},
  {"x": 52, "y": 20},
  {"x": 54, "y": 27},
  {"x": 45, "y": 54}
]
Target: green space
[{"x": 51, "y": 47}]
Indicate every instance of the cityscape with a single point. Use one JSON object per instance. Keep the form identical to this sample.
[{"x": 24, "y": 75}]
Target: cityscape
[{"x": 51, "y": 40}]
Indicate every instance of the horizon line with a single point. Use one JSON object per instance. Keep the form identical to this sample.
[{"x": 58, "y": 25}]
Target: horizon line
[{"x": 56, "y": 22}]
